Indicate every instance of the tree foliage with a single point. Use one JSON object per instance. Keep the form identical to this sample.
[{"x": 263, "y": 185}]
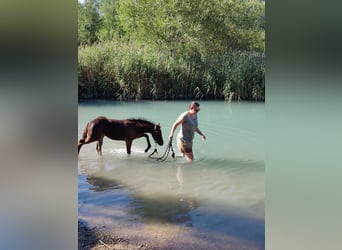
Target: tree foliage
[
  {"x": 174, "y": 48},
  {"x": 109, "y": 16},
  {"x": 211, "y": 26},
  {"x": 89, "y": 22}
]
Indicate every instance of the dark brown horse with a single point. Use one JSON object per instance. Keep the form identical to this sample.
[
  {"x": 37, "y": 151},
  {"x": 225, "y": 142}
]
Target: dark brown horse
[{"x": 123, "y": 130}]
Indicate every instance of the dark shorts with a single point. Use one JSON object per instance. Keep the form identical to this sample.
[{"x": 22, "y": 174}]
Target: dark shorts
[{"x": 184, "y": 146}]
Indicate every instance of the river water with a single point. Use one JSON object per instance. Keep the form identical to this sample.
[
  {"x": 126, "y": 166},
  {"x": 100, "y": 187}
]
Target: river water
[{"x": 219, "y": 197}]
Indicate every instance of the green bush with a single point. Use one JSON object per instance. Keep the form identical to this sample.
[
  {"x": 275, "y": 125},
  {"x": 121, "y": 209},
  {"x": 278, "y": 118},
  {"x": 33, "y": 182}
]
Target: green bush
[{"x": 129, "y": 70}]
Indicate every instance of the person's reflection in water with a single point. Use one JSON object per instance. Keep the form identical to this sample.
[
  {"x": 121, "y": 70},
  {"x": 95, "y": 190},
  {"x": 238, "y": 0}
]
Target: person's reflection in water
[
  {"x": 187, "y": 200},
  {"x": 179, "y": 177}
]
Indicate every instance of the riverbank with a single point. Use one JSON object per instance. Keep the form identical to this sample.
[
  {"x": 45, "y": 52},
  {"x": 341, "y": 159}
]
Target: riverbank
[
  {"x": 156, "y": 237},
  {"x": 96, "y": 239}
]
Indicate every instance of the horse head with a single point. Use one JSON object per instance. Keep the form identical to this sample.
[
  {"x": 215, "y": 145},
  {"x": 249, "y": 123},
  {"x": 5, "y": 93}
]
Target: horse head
[{"x": 157, "y": 134}]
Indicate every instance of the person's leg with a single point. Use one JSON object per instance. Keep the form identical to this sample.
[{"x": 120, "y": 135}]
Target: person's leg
[
  {"x": 180, "y": 146},
  {"x": 186, "y": 149},
  {"x": 187, "y": 146},
  {"x": 189, "y": 156}
]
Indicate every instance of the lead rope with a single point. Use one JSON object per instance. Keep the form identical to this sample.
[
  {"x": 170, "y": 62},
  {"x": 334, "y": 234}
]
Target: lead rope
[{"x": 166, "y": 153}]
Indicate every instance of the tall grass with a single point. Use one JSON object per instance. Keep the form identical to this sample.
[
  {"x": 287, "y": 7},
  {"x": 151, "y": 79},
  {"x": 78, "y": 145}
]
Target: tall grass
[{"x": 128, "y": 70}]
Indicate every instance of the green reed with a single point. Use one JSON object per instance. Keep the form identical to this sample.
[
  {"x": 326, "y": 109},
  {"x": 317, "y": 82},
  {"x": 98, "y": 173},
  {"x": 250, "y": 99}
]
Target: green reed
[{"x": 132, "y": 71}]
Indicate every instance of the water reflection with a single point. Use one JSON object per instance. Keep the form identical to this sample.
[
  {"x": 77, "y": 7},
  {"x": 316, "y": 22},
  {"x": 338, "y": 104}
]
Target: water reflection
[
  {"x": 170, "y": 203},
  {"x": 173, "y": 207},
  {"x": 100, "y": 184},
  {"x": 167, "y": 208},
  {"x": 180, "y": 179}
]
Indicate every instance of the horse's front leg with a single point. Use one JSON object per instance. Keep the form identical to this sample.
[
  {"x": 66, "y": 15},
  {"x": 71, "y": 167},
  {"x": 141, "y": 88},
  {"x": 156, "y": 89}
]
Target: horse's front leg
[
  {"x": 148, "y": 142},
  {"x": 128, "y": 145},
  {"x": 99, "y": 146}
]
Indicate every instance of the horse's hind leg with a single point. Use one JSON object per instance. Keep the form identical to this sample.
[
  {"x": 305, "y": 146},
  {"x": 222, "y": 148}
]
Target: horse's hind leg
[{"x": 99, "y": 146}]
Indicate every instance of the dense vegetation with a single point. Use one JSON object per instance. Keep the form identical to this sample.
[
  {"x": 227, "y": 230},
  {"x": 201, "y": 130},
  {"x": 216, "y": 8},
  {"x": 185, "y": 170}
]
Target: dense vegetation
[{"x": 171, "y": 49}]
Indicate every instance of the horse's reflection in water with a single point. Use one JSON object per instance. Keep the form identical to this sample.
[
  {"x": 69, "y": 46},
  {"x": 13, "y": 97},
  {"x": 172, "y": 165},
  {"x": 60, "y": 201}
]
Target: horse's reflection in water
[
  {"x": 99, "y": 176},
  {"x": 123, "y": 130}
]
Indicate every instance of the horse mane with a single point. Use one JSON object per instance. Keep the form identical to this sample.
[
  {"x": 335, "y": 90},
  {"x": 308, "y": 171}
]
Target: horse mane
[{"x": 141, "y": 120}]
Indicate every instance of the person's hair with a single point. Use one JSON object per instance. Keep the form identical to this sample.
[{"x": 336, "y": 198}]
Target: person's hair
[{"x": 193, "y": 103}]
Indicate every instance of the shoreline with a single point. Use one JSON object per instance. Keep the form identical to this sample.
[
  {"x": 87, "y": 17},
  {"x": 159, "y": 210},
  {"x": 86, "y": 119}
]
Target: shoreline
[
  {"x": 96, "y": 239},
  {"x": 157, "y": 236}
]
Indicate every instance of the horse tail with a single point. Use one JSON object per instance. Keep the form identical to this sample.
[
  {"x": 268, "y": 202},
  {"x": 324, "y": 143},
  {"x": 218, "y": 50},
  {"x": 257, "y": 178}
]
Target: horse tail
[
  {"x": 84, "y": 134},
  {"x": 82, "y": 140}
]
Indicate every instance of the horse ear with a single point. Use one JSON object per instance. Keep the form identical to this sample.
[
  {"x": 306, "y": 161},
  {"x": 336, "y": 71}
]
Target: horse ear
[{"x": 157, "y": 125}]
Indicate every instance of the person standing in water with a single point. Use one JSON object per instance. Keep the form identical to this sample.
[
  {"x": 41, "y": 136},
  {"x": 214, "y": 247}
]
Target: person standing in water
[{"x": 185, "y": 137}]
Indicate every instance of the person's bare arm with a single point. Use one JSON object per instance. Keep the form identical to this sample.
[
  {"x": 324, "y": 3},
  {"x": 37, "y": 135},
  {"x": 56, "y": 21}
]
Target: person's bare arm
[
  {"x": 200, "y": 133},
  {"x": 174, "y": 126}
]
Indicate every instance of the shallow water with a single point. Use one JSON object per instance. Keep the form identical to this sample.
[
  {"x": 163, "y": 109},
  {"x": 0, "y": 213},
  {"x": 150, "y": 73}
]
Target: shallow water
[{"x": 221, "y": 192}]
